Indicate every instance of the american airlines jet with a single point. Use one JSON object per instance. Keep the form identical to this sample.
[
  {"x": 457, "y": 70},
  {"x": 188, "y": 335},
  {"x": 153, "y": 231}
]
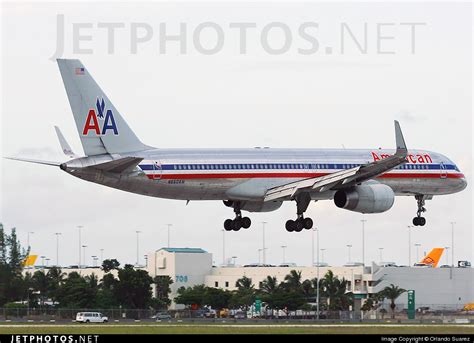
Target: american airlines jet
[{"x": 253, "y": 180}]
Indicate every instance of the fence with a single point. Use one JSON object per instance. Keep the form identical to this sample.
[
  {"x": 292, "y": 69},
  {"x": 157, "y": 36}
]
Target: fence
[{"x": 60, "y": 314}]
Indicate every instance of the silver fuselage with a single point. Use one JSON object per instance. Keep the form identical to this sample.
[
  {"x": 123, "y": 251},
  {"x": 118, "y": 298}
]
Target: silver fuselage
[{"x": 246, "y": 174}]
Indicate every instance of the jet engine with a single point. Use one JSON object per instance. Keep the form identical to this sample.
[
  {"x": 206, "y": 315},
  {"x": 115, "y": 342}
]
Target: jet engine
[{"x": 370, "y": 198}]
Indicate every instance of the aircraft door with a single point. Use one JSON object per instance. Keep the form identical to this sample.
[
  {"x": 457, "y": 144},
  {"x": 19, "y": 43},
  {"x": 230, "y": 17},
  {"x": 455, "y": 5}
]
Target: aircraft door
[
  {"x": 157, "y": 170},
  {"x": 443, "y": 172}
]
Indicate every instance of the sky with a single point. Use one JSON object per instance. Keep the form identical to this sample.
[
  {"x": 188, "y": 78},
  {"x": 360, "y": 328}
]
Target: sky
[{"x": 280, "y": 92}]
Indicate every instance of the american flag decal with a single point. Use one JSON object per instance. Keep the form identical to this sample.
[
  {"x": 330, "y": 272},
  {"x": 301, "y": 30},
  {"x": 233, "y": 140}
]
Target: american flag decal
[{"x": 79, "y": 71}]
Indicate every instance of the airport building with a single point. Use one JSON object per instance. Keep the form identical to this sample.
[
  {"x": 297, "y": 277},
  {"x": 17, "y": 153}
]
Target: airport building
[{"x": 436, "y": 288}]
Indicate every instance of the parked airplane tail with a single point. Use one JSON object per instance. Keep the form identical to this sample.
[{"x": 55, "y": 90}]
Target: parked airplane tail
[
  {"x": 433, "y": 257},
  {"x": 101, "y": 127}
]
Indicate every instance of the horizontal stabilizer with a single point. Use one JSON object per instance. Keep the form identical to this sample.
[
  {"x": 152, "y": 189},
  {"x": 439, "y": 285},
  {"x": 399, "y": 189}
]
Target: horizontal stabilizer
[{"x": 49, "y": 163}]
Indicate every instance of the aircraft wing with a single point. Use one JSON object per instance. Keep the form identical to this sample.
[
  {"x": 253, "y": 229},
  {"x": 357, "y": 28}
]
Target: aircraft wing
[{"x": 343, "y": 178}]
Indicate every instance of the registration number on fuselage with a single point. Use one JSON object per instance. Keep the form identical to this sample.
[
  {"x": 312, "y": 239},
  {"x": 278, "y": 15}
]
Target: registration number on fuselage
[{"x": 175, "y": 182}]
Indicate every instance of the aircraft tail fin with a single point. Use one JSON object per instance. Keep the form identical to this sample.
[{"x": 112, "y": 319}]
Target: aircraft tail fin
[
  {"x": 433, "y": 257},
  {"x": 100, "y": 126}
]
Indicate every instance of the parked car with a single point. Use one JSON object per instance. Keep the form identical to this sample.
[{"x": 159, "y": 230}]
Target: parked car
[
  {"x": 91, "y": 317},
  {"x": 240, "y": 315},
  {"x": 161, "y": 316}
]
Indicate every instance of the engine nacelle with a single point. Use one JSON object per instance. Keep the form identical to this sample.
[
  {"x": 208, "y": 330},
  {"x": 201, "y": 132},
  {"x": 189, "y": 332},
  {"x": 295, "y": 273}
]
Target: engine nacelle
[
  {"x": 372, "y": 198},
  {"x": 260, "y": 206}
]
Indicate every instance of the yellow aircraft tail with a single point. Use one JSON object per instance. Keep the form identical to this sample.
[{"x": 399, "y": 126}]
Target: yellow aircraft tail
[
  {"x": 433, "y": 257},
  {"x": 30, "y": 260}
]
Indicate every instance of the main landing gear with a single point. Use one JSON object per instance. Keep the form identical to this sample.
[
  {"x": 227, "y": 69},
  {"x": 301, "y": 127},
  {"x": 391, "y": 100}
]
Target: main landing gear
[
  {"x": 238, "y": 222},
  {"x": 419, "y": 220},
  {"x": 302, "y": 202}
]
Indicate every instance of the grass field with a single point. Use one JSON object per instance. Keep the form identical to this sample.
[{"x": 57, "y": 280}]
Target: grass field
[{"x": 234, "y": 329}]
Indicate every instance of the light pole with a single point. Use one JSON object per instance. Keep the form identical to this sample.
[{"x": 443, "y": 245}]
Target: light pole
[
  {"x": 223, "y": 247},
  {"x": 349, "y": 246},
  {"x": 312, "y": 246},
  {"x": 57, "y": 247},
  {"x": 263, "y": 241},
  {"x": 138, "y": 259},
  {"x": 146, "y": 260},
  {"x": 322, "y": 254},
  {"x": 447, "y": 256},
  {"x": 101, "y": 255},
  {"x": 94, "y": 260},
  {"x": 380, "y": 252},
  {"x": 283, "y": 247},
  {"x": 28, "y": 239},
  {"x": 417, "y": 245},
  {"x": 47, "y": 262},
  {"x": 169, "y": 226},
  {"x": 317, "y": 272},
  {"x": 79, "y": 227},
  {"x": 84, "y": 254},
  {"x": 42, "y": 261},
  {"x": 234, "y": 258},
  {"x": 452, "y": 243},
  {"x": 409, "y": 245},
  {"x": 363, "y": 221}
]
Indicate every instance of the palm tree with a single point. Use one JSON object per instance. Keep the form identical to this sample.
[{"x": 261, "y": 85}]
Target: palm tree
[
  {"x": 293, "y": 280},
  {"x": 335, "y": 291},
  {"x": 269, "y": 285},
  {"x": 392, "y": 292},
  {"x": 244, "y": 283}
]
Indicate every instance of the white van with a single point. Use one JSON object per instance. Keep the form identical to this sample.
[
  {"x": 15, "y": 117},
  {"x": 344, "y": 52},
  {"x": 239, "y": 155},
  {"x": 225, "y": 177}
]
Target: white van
[{"x": 91, "y": 317}]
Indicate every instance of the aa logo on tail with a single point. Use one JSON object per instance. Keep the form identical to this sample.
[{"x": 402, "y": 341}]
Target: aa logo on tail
[{"x": 101, "y": 121}]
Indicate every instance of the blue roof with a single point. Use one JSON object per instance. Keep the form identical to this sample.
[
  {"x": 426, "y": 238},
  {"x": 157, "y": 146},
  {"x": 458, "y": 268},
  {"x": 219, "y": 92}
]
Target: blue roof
[{"x": 185, "y": 250}]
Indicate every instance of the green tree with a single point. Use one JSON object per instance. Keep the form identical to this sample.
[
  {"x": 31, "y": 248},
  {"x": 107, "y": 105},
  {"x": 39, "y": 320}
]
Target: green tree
[
  {"x": 163, "y": 289},
  {"x": 76, "y": 292},
  {"x": 216, "y": 298},
  {"x": 293, "y": 281},
  {"x": 335, "y": 291},
  {"x": 55, "y": 278},
  {"x": 106, "y": 293},
  {"x": 134, "y": 287},
  {"x": 391, "y": 292},
  {"x": 244, "y": 295},
  {"x": 111, "y": 264},
  {"x": 191, "y": 295},
  {"x": 40, "y": 284}
]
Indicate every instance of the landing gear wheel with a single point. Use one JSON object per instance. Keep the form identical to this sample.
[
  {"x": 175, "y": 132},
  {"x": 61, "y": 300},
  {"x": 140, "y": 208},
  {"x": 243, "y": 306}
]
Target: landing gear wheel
[
  {"x": 299, "y": 225},
  {"x": 308, "y": 223},
  {"x": 419, "y": 221},
  {"x": 246, "y": 222},
  {"x": 228, "y": 224},
  {"x": 290, "y": 225},
  {"x": 237, "y": 224}
]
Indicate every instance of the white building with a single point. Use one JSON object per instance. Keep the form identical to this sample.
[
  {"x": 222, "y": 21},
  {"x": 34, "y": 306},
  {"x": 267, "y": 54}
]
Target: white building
[{"x": 437, "y": 288}]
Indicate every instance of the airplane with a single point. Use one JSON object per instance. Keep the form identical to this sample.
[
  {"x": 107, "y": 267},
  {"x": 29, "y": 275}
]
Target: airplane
[
  {"x": 253, "y": 179},
  {"x": 431, "y": 260}
]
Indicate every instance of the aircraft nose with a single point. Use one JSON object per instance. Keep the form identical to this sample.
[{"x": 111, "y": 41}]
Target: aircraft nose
[{"x": 463, "y": 182}]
